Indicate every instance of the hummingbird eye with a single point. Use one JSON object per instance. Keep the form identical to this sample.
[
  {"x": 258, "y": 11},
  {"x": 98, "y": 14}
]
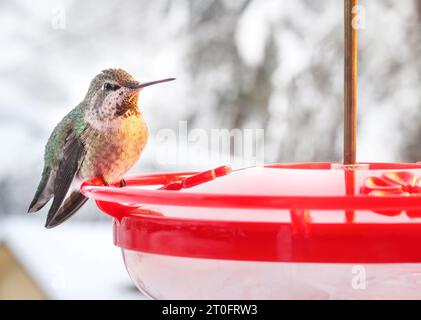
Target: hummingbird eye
[{"x": 111, "y": 87}]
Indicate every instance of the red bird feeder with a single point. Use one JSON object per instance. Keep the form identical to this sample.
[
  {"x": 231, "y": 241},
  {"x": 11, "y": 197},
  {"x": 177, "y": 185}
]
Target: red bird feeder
[{"x": 288, "y": 231}]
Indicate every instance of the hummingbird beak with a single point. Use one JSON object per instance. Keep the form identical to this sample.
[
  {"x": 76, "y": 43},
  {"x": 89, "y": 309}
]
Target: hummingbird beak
[{"x": 139, "y": 87}]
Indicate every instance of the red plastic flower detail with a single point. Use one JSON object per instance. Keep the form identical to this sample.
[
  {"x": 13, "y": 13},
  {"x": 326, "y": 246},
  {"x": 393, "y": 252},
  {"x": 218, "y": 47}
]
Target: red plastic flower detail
[{"x": 394, "y": 184}]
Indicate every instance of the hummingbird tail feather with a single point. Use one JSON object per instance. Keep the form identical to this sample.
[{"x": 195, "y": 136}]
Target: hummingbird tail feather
[
  {"x": 44, "y": 192},
  {"x": 72, "y": 204}
]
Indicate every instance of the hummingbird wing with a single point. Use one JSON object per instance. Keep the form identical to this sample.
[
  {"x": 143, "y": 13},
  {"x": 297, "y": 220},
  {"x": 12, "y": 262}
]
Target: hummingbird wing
[
  {"x": 73, "y": 155},
  {"x": 71, "y": 204}
]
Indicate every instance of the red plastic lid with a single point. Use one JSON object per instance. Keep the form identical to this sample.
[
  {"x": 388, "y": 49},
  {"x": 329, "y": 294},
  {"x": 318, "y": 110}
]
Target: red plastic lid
[{"x": 316, "y": 212}]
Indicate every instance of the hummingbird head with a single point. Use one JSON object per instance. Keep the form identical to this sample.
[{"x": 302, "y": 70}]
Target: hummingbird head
[{"x": 113, "y": 93}]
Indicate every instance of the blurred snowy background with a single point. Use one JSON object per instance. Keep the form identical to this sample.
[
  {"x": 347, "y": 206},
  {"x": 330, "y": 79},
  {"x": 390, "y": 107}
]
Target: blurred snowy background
[{"x": 276, "y": 65}]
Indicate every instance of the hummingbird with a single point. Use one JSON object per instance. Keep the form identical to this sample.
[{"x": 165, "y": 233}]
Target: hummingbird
[{"x": 102, "y": 137}]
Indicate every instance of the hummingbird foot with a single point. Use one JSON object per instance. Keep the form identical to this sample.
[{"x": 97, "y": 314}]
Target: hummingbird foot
[{"x": 122, "y": 183}]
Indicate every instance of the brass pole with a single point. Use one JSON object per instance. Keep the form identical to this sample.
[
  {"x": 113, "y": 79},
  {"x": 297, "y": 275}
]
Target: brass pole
[{"x": 350, "y": 105}]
